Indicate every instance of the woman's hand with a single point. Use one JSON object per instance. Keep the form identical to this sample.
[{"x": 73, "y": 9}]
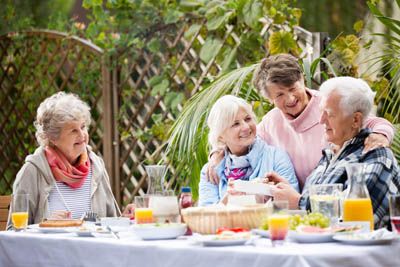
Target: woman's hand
[
  {"x": 60, "y": 214},
  {"x": 215, "y": 159},
  {"x": 231, "y": 191},
  {"x": 129, "y": 211},
  {"x": 284, "y": 191},
  {"x": 274, "y": 178},
  {"x": 375, "y": 140}
]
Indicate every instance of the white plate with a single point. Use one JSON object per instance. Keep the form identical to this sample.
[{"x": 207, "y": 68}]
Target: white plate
[
  {"x": 86, "y": 230},
  {"x": 354, "y": 239},
  {"x": 53, "y": 229},
  {"x": 118, "y": 222},
  {"x": 84, "y": 233},
  {"x": 260, "y": 232},
  {"x": 212, "y": 241},
  {"x": 152, "y": 231},
  {"x": 310, "y": 237}
]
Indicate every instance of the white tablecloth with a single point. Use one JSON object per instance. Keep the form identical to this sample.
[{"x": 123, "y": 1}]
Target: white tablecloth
[{"x": 37, "y": 249}]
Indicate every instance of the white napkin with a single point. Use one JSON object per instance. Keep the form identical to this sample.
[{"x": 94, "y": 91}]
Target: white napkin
[{"x": 250, "y": 187}]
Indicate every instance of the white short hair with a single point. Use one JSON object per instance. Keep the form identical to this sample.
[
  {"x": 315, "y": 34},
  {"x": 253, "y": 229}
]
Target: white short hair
[
  {"x": 57, "y": 110},
  {"x": 222, "y": 115},
  {"x": 356, "y": 95}
]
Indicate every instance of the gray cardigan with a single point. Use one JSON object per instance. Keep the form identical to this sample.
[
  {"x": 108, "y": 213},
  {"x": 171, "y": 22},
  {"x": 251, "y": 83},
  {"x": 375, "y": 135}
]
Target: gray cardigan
[{"x": 36, "y": 179}]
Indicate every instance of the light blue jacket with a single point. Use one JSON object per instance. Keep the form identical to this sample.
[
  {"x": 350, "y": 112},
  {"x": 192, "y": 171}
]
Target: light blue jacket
[{"x": 262, "y": 157}]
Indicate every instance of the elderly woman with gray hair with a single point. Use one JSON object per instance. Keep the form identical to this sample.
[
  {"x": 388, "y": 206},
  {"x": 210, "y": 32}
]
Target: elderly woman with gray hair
[
  {"x": 233, "y": 128},
  {"x": 345, "y": 104},
  {"x": 64, "y": 177}
]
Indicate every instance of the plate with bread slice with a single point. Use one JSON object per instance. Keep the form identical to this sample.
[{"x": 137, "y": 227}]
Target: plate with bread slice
[{"x": 57, "y": 226}]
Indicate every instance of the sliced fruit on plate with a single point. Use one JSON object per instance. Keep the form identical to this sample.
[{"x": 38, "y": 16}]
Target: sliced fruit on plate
[
  {"x": 234, "y": 229},
  {"x": 313, "y": 229},
  {"x": 346, "y": 229},
  {"x": 224, "y": 233}
]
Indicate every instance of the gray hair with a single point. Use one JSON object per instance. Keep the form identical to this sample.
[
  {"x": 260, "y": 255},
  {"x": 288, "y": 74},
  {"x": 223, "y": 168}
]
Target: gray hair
[
  {"x": 282, "y": 69},
  {"x": 57, "y": 110},
  {"x": 356, "y": 95},
  {"x": 222, "y": 115}
]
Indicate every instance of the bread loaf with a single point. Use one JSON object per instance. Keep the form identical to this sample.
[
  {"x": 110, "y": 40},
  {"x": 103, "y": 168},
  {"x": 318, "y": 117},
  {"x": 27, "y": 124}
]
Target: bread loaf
[{"x": 61, "y": 223}]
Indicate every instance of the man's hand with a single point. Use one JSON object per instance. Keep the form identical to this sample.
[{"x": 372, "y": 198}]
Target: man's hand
[
  {"x": 284, "y": 191},
  {"x": 274, "y": 178},
  {"x": 375, "y": 140},
  {"x": 215, "y": 159}
]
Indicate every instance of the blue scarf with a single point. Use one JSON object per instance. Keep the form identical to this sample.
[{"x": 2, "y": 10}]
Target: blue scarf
[{"x": 237, "y": 167}]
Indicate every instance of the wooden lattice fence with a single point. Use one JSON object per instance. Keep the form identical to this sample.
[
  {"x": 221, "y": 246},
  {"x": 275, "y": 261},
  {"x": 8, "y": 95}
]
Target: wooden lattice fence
[
  {"x": 120, "y": 90},
  {"x": 34, "y": 65}
]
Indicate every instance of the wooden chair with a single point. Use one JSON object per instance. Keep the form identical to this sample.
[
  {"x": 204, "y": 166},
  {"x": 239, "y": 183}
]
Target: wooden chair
[{"x": 4, "y": 207}]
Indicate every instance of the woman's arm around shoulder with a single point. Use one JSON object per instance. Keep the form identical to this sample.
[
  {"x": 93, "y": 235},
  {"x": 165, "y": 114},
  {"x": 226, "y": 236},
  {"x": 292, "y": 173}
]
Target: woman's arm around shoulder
[
  {"x": 380, "y": 126},
  {"x": 208, "y": 192}
]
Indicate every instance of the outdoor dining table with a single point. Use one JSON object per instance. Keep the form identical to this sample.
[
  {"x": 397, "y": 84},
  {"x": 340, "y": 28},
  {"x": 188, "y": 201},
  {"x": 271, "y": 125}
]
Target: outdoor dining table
[{"x": 67, "y": 249}]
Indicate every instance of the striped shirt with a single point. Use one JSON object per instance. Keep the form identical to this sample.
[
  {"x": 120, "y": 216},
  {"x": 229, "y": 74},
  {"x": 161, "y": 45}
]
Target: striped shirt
[
  {"x": 382, "y": 174},
  {"x": 77, "y": 201}
]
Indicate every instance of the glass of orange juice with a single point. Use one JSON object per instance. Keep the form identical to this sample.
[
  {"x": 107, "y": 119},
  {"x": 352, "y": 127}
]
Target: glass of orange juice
[
  {"x": 19, "y": 211},
  {"x": 278, "y": 222},
  {"x": 143, "y": 214}
]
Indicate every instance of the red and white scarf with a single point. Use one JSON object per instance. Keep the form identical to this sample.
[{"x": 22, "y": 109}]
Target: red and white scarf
[{"x": 63, "y": 171}]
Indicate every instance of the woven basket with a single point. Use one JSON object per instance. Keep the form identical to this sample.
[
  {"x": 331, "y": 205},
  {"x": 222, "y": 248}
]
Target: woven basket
[{"x": 206, "y": 220}]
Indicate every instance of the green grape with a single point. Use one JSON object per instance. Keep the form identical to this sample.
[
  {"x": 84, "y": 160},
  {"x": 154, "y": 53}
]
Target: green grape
[
  {"x": 311, "y": 219},
  {"x": 294, "y": 221},
  {"x": 264, "y": 224}
]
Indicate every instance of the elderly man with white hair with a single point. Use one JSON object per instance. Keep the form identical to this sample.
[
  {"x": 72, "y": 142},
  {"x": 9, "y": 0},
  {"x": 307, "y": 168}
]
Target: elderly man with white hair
[{"x": 346, "y": 102}]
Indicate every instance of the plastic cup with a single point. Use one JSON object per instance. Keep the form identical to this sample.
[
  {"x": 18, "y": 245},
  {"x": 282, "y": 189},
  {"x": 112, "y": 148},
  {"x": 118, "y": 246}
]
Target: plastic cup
[{"x": 278, "y": 222}]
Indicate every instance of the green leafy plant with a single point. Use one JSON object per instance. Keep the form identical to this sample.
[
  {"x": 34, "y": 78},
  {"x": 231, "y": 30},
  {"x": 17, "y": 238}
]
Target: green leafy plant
[
  {"x": 388, "y": 95},
  {"x": 389, "y": 58}
]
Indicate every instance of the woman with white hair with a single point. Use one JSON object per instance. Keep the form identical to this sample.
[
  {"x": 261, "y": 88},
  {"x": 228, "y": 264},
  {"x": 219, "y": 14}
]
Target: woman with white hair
[
  {"x": 345, "y": 104},
  {"x": 64, "y": 177},
  {"x": 232, "y": 127}
]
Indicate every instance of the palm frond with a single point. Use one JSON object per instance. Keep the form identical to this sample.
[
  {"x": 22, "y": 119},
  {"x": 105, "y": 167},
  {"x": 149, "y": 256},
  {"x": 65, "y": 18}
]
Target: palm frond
[
  {"x": 382, "y": 18},
  {"x": 184, "y": 135},
  {"x": 388, "y": 58}
]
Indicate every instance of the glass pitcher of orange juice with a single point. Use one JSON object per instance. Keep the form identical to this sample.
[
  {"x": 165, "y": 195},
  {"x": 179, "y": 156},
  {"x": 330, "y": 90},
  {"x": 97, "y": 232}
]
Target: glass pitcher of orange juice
[{"x": 357, "y": 205}]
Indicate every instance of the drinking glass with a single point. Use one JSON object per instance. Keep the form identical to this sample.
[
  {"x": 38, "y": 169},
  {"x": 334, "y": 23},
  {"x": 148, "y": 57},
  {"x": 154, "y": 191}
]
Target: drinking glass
[
  {"x": 19, "y": 211},
  {"x": 394, "y": 207},
  {"x": 143, "y": 214},
  {"x": 278, "y": 222},
  {"x": 165, "y": 207},
  {"x": 325, "y": 199}
]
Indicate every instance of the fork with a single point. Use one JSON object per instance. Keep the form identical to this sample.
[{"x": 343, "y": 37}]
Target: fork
[
  {"x": 89, "y": 216},
  {"x": 113, "y": 233}
]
